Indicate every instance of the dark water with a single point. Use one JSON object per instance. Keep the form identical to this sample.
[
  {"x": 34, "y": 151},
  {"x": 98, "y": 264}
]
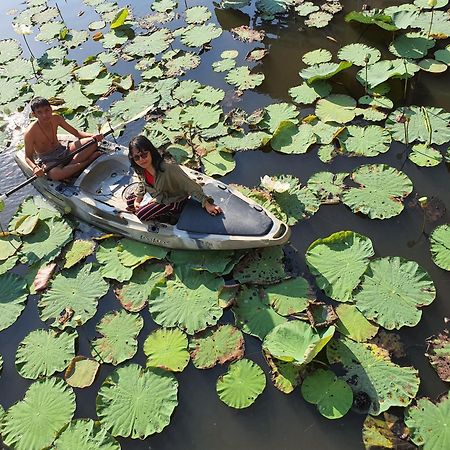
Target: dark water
[{"x": 276, "y": 420}]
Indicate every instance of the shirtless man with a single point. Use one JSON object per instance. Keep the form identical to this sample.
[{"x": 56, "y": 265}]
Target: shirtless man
[{"x": 42, "y": 147}]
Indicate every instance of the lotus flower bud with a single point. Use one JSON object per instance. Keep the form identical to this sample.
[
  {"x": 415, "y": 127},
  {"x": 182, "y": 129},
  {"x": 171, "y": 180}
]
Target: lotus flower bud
[
  {"x": 21, "y": 28},
  {"x": 423, "y": 202},
  {"x": 432, "y": 3}
]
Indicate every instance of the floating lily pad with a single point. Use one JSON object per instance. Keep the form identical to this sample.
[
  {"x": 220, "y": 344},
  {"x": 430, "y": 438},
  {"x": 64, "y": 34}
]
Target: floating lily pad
[
  {"x": 197, "y": 36},
  {"x": 359, "y": 54},
  {"x": 338, "y": 262},
  {"x": 290, "y": 296},
  {"x": 119, "y": 341},
  {"x": 411, "y": 46},
  {"x": 332, "y": 395},
  {"x": 336, "y": 108},
  {"x": 443, "y": 55},
  {"x": 152, "y": 44},
  {"x": 197, "y": 14},
  {"x": 42, "y": 353},
  {"x": 218, "y": 163},
  {"x": 213, "y": 261},
  {"x": 292, "y": 138},
  {"x": 9, "y": 245},
  {"x": 111, "y": 266},
  {"x": 277, "y": 113},
  {"x": 34, "y": 422},
  {"x": 391, "y": 291},
  {"x": 75, "y": 291},
  {"x": 381, "y": 193},
  {"x": 189, "y": 301},
  {"x": 438, "y": 353},
  {"x": 440, "y": 246},
  {"x": 365, "y": 141},
  {"x": 77, "y": 251},
  {"x": 12, "y": 298},
  {"x": 9, "y": 50},
  {"x": 433, "y": 66},
  {"x": 327, "y": 186},
  {"x": 81, "y": 372},
  {"x": 305, "y": 8},
  {"x": 428, "y": 423},
  {"x": 224, "y": 65},
  {"x": 373, "y": 376},
  {"x": 203, "y": 116},
  {"x": 246, "y": 34},
  {"x": 133, "y": 253},
  {"x": 148, "y": 396},
  {"x": 372, "y": 17},
  {"x": 323, "y": 71},
  {"x": 353, "y": 324},
  {"x": 308, "y": 93},
  {"x": 319, "y": 19},
  {"x": 242, "y": 384},
  {"x": 220, "y": 345},
  {"x": 424, "y": 156},
  {"x": 318, "y": 56},
  {"x": 285, "y": 376},
  {"x": 242, "y": 78}
]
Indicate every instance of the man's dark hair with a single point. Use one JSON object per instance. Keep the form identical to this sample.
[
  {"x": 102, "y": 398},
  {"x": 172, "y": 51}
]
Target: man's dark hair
[{"x": 38, "y": 102}]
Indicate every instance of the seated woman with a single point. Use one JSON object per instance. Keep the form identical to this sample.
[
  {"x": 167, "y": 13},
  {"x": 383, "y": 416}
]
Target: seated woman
[{"x": 167, "y": 183}]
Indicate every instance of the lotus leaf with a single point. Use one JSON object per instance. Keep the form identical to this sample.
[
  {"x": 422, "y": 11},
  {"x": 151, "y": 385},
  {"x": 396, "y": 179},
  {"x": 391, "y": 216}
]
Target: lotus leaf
[
  {"x": 89, "y": 72},
  {"x": 189, "y": 301},
  {"x": 431, "y": 65},
  {"x": 443, "y": 55},
  {"x": 290, "y": 296},
  {"x": 242, "y": 78},
  {"x": 74, "y": 98},
  {"x": 317, "y": 57},
  {"x": 163, "y": 5},
  {"x": 234, "y": 4},
  {"x": 391, "y": 291},
  {"x": 75, "y": 291},
  {"x": 213, "y": 261},
  {"x": 246, "y": 34},
  {"x": 179, "y": 65},
  {"x": 26, "y": 224},
  {"x": 9, "y": 244},
  {"x": 428, "y": 423},
  {"x": 440, "y": 246},
  {"x": 411, "y": 46},
  {"x": 353, "y": 324},
  {"x": 297, "y": 203},
  {"x": 97, "y": 25},
  {"x": 208, "y": 94},
  {"x": 318, "y": 19},
  {"x": 10, "y": 89},
  {"x": 358, "y": 54},
  {"x": 332, "y": 395},
  {"x": 218, "y": 163},
  {"x": 8, "y": 264},
  {"x": 85, "y": 434},
  {"x": 381, "y": 193},
  {"x": 424, "y": 156},
  {"x": 376, "y": 101},
  {"x": 34, "y": 422},
  {"x": 45, "y": 15},
  {"x": 197, "y": 14},
  {"x": 19, "y": 68},
  {"x": 293, "y": 139},
  {"x": 185, "y": 90},
  {"x": 336, "y": 108},
  {"x": 149, "y": 397},
  {"x": 326, "y": 132},
  {"x": 327, "y": 186},
  {"x": 30, "y": 207},
  {"x": 167, "y": 349},
  {"x": 242, "y": 384},
  {"x": 254, "y": 315},
  {"x": 285, "y": 375},
  {"x": 108, "y": 256},
  {"x": 203, "y": 116},
  {"x": 365, "y": 141},
  {"x": 277, "y": 113},
  {"x": 224, "y": 65},
  {"x": 241, "y": 141},
  {"x": 49, "y": 31},
  {"x": 424, "y": 124},
  {"x": 12, "y": 299},
  {"x": 99, "y": 87},
  {"x": 81, "y": 372},
  {"x": 77, "y": 251},
  {"x": 115, "y": 38},
  {"x": 119, "y": 342},
  {"x": 256, "y": 54},
  {"x": 42, "y": 353},
  {"x": 152, "y": 44},
  {"x": 370, "y": 372},
  {"x": 119, "y": 18},
  {"x": 372, "y": 17},
  {"x": 296, "y": 342},
  {"x": 9, "y": 50},
  {"x": 76, "y": 38},
  {"x": 200, "y": 35},
  {"x": 309, "y": 93},
  {"x": 438, "y": 353},
  {"x": 164, "y": 88},
  {"x": 132, "y": 253},
  {"x": 338, "y": 262},
  {"x": 46, "y": 89},
  {"x": 323, "y": 71},
  {"x": 305, "y": 8}
]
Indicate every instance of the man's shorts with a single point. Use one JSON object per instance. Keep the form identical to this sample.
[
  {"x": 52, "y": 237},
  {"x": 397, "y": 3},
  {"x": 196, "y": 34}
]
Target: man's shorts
[{"x": 56, "y": 157}]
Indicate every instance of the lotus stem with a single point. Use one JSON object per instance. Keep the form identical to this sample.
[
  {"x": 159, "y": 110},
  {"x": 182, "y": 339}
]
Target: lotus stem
[
  {"x": 366, "y": 61},
  {"x": 431, "y": 21},
  {"x": 59, "y": 12},
  {"x": 406, "y": 80},
  {"x": 32, "y": 58}
]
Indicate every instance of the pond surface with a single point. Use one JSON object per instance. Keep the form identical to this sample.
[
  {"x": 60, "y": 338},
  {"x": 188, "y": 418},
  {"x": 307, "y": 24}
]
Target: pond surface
[{"x": 202, "y": 421}]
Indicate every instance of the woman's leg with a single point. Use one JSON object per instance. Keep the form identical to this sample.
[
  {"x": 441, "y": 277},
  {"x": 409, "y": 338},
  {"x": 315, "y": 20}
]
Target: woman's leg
[{"x": 154, "y": 210}]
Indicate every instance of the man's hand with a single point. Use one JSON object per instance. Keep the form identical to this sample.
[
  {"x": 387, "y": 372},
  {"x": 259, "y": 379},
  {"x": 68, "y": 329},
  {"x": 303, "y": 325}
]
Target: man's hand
[
  {"x": 213, "y": 209},
  {"x": 38, "y": 171},
  {"x": 98, "y": 137}
]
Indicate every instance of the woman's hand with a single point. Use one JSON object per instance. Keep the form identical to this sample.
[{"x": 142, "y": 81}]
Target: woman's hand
[
  {"x": 38, "y": 171},
  {"x": 213, "y": 209},
  {"x": 137, "y": 203}
]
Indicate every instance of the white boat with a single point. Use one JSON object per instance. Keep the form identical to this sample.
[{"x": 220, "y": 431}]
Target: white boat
[{"x": 97, "y": 196}]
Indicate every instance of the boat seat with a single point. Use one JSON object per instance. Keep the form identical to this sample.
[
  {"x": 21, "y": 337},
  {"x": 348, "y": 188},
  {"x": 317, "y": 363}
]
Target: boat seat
[{"x": 238, "y": 217}]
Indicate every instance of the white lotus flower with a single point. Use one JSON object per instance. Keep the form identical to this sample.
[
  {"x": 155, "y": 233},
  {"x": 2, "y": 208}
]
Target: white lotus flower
[
  {"x": 274, "y": 185},
  {"x": 22, "y": 28},
  {"x": 432, "y": 3}
]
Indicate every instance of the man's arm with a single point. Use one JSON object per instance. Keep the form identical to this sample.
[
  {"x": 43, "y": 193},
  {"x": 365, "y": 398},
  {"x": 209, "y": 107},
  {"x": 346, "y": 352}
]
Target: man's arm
[
  {"x": 29, "y": 151},
  {"x": 79, "y": 134}
]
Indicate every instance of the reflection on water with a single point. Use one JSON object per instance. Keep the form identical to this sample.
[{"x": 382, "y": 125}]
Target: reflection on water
[{"x": 275, "y": 421}]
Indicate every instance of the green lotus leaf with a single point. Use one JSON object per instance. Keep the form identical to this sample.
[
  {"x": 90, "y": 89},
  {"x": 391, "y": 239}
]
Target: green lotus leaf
[
  {"x": 97, "y": 25},
  {"x": 75, "y": 38},
  {"x": 85, "y": 434},
  {"x": 391, "y": 291},
  {"x": 323, "y": 71},
  {"x": 277, "y": 113},
  {"x": 149, "y": 397},
  {"x": 179, "y": 65},
  {"x": 224, "y": 65},
  {"x": 77, "y": 251},
  {"x": 34, "y": 422},
  {"x": 248, "y": 141},
  {"x": 9, "y": 50},
  {"x": 185, "y": 90},
  {"x": 358, "y": 54},
  {"x": 26, "y": 224},
  {"x": 257, "y": 54},
  {"x": 218, "y": 163},
  {"x": 309, "y": 93},
  {"x": 42, "y": 353},
  {"x": 365, "y": 141},
  {"x": 107, "y": 255},
  {"x": 443, "y": 55},
  {"x": 290, "y": 296},
  {"x": 208, "y": 94},
  {"x": 8, "y": 264},
  {"x": 90, "y": 71},
  {"x": 424, "y": 156},
  {"x": 115, "y": 38},
  {"x": 376, "y": 101},
  {"x": 318, "y": 19},
  {"x": 326, "y": 132},
  {"x": 285, "y": 375},
  {"x": 100, "y": 86},
  {"x": 381, "y": 193},
  {"x": 433, "y": 66},
  {"x": 241, "y": 385},
  {"x": 45, "y": 15},
  {"x": 423, "y": 123},
  {"x": 317, "y": 57},
  {"x": 133, "y": 103},
  {"x": 332, "y": 395},
  {"x": 296, "y": 342},
  {"x": 272, "y": 7},
  {"x": 189, "y": 301},
  {"x": 338, "y": 262},
  {"x": 119, "y": 341},
  {"x": 381, "y": 432},
  {"x": 440, "y": 246},
  {"x": 373, "y": 17},
  {"x": 293, "y": 139},
  {"x": 18, "y": 68},
  {"x": 46, "y": 89},
  {"x": 336, "y": 108},
  {"x": 74, "y": 98},
  {"x": 152, "y": 44},
  {"x": 438, "y": 353},
  {"x": 167, "y": 349},
  {"x": 108, "y": 58},
  {"x": 411, "y": 46},
  {"x": 163, "y": 5},
  {"x": 197, "y": 14},
  {"x": 9, "y": 244},
  {"x": 14, "y": 295},
  {"x": 49, "y": 31},
  {"x": 371, "y": 374},
  {"x": 213, "y": 261},
  {"x": 219, "y": 345},
  {"x": 254, "y": 315},
  {"x": 327, "y": 186},
  {"x": 203, "y": 116},
  {"x": 353, "y": 324},
  {"x": 77, "y": 291},
  {"x": 133, "y": 253},
  {"x": 197, "y": 36},
  {"x": 242, "y": 78},
  {"x": 81, "y": 372},
  {"x": 119, "y": 18},
  {"x": 10, "y": 89}
]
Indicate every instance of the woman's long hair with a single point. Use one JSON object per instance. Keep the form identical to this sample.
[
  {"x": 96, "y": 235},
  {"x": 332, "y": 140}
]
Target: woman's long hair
[{"x": 142, "y": 144}]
